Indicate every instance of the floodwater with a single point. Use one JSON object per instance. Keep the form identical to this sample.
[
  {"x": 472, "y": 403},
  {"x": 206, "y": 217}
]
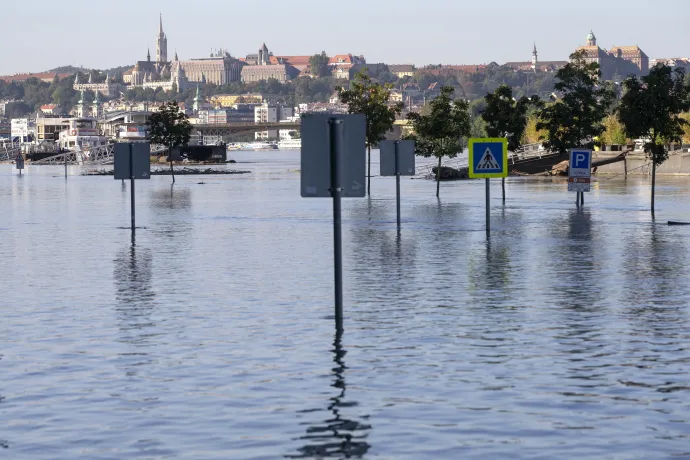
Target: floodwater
[{"x": 564, "y": 335}]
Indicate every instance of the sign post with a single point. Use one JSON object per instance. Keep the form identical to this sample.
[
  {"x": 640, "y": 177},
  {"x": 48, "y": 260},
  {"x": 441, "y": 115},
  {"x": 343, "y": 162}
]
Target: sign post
[
  {"x": 340, "y": 173},
  {"x": 488, "y": 158},
  {"x": 580, "y": 174},
  {"x": 19, "y": 161},
  {"x": 397, "y": 159},
  {"x": 132, "y": 161}
]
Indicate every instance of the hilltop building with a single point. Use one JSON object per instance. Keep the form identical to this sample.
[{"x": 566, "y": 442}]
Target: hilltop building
[
  {"x": 672, "y": 62},
  {"x": 108, "y": 88},
  {"x": 161, "y": 73},
  {"x": 534, "y": 65},
  {"x": 618, "y": 62},
  {"x": 46, "y": 77},
  {"x": 402, "y": 70},
  {"x": 264, "y": 65}
]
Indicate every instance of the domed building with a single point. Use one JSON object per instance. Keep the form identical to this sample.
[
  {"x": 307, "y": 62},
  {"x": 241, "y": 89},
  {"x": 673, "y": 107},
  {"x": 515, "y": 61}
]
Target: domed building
[{"x": 620, "y": 61}]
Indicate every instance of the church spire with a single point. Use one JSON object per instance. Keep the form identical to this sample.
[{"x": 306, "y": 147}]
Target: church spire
[
  {"x": 161, "y": 44},
  {"x": 148, "y": 55},
  {"x": 197, "y": 99}
]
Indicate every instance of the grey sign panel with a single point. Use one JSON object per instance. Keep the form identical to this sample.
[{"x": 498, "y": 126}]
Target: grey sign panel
[
  {"x": 405, "y": 158},
  {"x": 316, "y": 158},
  {"x": 141, "y": 154}
]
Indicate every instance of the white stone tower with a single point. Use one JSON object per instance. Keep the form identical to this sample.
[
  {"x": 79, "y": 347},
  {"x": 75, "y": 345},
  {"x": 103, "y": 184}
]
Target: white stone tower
[
  {"x": 97, "y": 108},
  {"x": 161, "y": 44},
  {"x": 80, "y": 105},
  {"x": 535, "y": 57},
  {"x": 197, "y": 100}
]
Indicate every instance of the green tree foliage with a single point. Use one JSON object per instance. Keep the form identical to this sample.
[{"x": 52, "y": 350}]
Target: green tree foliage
[
  {"x": 373, "y": 100},
  {"x": 17, "y": 109},
  {"x": 34, "y": 93},
  {"x": 169, "y": 126},
  {"x": 575, "y": 120},
  {"x": 651, "y": 110},
  {"x": 686, "y": 126},
  {"x": 440, "y": 133},
  {"x": 507, "y": 117},
  {"x": 319, "y": 65},
  {"x": 614, "y": 133},
  {"x": 532, "y": 134}
]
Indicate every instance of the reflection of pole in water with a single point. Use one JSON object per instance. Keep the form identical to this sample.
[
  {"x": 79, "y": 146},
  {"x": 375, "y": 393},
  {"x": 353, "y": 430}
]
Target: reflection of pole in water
[
  {"x": 337, "y": 436},
  {"x": 133, "y": 293}
]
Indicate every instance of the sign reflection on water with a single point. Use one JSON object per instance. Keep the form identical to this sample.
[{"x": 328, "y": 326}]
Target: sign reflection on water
[{"x": 337, "y": 436}]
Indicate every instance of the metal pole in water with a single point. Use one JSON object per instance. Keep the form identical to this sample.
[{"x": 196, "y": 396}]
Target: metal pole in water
[
  {"x": 131, "y": 176},
  {"x": 335, "y": 141},
  {"x": 65, "y": 165},
  {"x": 577, "y": 199},
  {"x": 397, "y": 182},
  {"x": 488, "y": 207},
  {"x": 582, "y": 198}
]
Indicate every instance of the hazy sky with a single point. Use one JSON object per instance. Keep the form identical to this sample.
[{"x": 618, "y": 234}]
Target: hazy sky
[{"x": 43, "y": 34}]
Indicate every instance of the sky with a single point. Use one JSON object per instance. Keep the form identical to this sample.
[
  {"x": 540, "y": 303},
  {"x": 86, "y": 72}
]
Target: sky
[{"x": 102, "y": 34}]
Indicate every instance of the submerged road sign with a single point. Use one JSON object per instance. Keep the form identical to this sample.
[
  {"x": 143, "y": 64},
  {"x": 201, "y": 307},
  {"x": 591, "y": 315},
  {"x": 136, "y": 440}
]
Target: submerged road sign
[
  {"x": 19, "y": 161},
  {"x": 488, "y": 158},
  {"x": 141, "y": 160},
  {"x": 580, "y": 170},
  {"x": 405, "y": 158},
  {"x": 316, "y": 155}
]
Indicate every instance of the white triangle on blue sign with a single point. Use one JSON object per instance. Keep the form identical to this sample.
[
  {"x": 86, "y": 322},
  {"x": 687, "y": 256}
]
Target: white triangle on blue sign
[{"x": 488, "y": 161}]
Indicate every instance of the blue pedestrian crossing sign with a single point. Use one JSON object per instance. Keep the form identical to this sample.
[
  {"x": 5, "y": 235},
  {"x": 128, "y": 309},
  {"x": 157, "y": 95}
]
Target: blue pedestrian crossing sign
[{"x": 488, "y": 158}]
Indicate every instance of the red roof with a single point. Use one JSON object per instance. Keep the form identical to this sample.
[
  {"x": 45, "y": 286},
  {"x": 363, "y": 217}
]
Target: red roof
[
  {"x": 448, "y": 69},
  {"x": 44, "y": 76},
  {"x": 341, "y": 59},
  {"x": 48, "y": 106}
]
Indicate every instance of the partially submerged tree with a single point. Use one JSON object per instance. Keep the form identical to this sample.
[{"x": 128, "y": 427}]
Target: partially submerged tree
[
  {"x": 372, "y": 99},
  {"x": 506, "y": 117},
  {"x": 614, "y": 133},
  {"x": 651, "y": 110},
  {"x": 574, "y": 120},
  {"x": 440, "y": 132},
  {"x": 169, "y": 126}
]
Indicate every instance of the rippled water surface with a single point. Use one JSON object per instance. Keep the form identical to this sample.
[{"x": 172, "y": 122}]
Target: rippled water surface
[{"x": 565, "y": 335}]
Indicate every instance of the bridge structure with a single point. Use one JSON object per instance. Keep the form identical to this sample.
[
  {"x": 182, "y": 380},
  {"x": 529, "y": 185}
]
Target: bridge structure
[
  {"x": 227, "y": 129},
  {"x": 9, "y": 152},
  {"x": 101, "y": 155}
]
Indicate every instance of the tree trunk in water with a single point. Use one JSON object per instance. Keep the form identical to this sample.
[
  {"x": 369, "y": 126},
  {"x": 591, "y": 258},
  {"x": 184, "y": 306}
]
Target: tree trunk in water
[
  {"x": 653, "y": 182},
  {"x": 438, "y": 178},
  {"x": 369, "y": 173},
  {"x": 172, "y": 171}
]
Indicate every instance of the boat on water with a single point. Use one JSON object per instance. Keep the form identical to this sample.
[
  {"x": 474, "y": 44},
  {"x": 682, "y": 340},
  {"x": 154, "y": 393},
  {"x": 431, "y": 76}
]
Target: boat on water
[
  {"x": 82, "y": 136},
  {"x": 290, "y": 144},
  {"x": 260, "y": 146}
]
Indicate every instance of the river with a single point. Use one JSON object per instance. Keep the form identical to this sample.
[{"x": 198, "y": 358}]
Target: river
[{"x": 564, "y": 335}]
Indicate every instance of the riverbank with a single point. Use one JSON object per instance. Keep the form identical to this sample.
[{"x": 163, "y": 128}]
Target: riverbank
[
  {"x": 637, "y": 164},
  {"x": 167, "y": 172}
]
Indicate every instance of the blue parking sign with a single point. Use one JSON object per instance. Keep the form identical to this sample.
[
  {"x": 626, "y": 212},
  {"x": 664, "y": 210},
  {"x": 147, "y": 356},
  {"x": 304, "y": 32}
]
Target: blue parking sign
[{"x": 580, "y": 163}]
